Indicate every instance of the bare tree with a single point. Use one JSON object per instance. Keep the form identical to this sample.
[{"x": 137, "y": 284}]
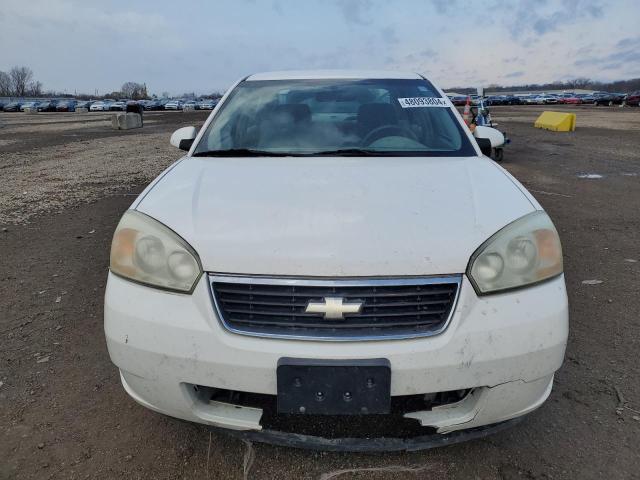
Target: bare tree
[
  {"x": 34, "y": 89},
  {"x": 134, "y": 90},
  {"x": 20, "y": 78},
  {"x": 5, "y": 84},
  {"x": 581, "y": 82}
]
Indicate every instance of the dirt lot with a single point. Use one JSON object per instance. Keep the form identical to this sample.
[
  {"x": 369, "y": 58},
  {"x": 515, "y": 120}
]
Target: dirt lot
[{"x": 66, "y": 179}]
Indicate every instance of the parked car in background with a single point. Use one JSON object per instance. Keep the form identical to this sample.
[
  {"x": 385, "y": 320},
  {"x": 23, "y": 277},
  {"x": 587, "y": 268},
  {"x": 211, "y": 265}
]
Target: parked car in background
[
  {"x": 586, "y": 97},
  {"x": 12, "y": 107},
  {"x": 529, "y": 99},
  {"x": 572, "y": 99},
  {"x": 174, "y": 105},
  {"x": 84, "y": 104},
  {"x": 66, "y": 106},
  {"x": 118, "y": 106},
  {"x": 190, "y": 105},
  {"x": 620, "y": 97},
  {"x": 47, "y": 106},
  {"x": 207, "y": 104},
  {"x": 29, "y": 105},
  {"x": 608, "y": 99},
  {"x": 512, "y": 100},
  {"x": 152, "y": 105},
  {"x": 459, "y": 100},
  {"x": 633, "y": 99},
  {"x": 563, "y": 96},
  {"x": 548, "y": 99},
  {"x": 100, "y": 106}
]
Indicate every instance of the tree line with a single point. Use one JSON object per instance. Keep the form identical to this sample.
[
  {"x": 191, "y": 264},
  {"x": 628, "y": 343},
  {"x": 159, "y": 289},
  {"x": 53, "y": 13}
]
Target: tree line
[
  {"x": 619, "y": 86},
  {"x": 19, "y": 82}
]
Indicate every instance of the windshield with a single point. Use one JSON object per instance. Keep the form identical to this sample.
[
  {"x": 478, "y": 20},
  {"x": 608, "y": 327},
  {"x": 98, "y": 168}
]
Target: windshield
[{"x": 315, "y": 117}]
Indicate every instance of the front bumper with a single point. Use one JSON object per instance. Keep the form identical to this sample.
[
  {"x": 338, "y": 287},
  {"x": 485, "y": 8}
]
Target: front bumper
[{"x": 505, "y": 347}]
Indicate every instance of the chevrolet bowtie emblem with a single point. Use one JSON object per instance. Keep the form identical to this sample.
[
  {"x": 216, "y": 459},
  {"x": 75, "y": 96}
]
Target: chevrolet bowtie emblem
[{"x": 333, "y": 308}]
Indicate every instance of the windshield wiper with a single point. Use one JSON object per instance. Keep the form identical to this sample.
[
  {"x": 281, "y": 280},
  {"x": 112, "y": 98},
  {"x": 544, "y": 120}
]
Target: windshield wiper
[
  {"x": 242, "y": 152},
  {"x": 359, "y": 152},
  {"x": 342, "y": 152},
  {"x": 351, "y": 152}
]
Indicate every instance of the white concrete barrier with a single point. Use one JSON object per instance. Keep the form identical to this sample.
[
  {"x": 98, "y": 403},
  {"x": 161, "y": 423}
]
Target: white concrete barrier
[
  {"x": 126, "y": 121},
  {"x": 30, "y": 110},
  {"x": 82, "y": 110}
]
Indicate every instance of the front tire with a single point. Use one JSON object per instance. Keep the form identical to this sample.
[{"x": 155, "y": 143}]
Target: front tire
[{"x": 498, "y": 154}]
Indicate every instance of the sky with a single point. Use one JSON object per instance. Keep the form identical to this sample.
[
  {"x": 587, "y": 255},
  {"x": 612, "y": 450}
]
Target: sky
[{"x": 204, "y": 46}]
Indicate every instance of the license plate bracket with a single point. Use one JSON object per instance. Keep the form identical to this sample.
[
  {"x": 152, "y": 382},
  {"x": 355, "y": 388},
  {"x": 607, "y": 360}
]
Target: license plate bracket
[{"x": 334, "y": 387}]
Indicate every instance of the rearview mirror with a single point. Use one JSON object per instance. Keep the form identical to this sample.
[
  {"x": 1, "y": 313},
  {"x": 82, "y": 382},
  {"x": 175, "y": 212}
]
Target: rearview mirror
[{"x": 183, "y": 138}]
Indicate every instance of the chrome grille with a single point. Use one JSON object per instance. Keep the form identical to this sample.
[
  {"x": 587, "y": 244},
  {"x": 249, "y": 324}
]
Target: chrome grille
[{"x": 276, "y": 307}]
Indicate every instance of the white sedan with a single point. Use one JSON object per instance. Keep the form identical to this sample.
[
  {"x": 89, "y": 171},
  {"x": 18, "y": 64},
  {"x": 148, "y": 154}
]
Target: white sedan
[
  {"x": 174, "y": 105},
  {"x": 100, "y": 107},
  {"x": 336, "y": 244}
]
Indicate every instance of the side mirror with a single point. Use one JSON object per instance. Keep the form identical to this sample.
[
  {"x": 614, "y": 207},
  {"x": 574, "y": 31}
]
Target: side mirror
[
  {"x": 183, "y": 137},
  {"x": 485, "y": 146},
  {"x": 488, "y": 138}
]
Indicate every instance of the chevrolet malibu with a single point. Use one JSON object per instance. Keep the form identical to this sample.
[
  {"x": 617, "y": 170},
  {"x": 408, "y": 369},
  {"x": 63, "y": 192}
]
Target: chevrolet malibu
[{"x": 334, "y": 247}]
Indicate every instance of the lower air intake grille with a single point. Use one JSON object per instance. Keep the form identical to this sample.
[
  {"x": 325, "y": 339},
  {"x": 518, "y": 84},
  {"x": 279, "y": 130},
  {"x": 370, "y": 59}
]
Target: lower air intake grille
[{"x": 348, "y": 309}]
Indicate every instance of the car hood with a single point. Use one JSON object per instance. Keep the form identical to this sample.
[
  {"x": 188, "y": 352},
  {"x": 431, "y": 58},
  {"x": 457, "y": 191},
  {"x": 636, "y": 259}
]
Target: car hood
[{"x": 342, "y": 216}]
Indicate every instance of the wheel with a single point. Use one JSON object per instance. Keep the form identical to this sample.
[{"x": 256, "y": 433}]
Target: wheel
[{"x": 498, "y": 154}]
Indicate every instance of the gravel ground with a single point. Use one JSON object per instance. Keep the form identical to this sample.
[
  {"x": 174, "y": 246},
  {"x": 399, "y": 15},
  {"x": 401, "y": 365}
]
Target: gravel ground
[
  {"x": 64, "y": 414},
  {"x": 79, "y": 170}
]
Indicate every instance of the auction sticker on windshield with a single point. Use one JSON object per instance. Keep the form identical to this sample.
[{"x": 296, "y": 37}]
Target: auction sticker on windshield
[{"x": 414, "y": 102}]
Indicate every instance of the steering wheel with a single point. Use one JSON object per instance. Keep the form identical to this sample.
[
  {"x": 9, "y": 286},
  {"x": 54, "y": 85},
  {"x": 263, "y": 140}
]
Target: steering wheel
[{"x": 387, "y": 131}]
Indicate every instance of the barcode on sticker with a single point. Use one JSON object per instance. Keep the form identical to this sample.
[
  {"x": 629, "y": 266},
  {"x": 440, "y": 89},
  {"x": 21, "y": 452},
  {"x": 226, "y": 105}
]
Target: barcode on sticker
[{"x": 422, "y": 102}]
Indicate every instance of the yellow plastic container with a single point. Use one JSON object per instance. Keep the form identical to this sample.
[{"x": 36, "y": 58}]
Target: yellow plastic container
[{"x": 556, "y": 121}]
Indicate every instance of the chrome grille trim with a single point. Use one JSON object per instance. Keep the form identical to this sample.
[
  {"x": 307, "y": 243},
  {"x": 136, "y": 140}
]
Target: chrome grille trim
[{"x": 331, "y": 283}]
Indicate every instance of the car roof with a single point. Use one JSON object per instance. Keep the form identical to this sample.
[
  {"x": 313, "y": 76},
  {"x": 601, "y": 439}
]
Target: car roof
[{"x": 332, "y": 74}]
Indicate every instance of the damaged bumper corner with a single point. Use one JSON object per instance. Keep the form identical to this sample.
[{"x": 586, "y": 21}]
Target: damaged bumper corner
[{"x": 487, "y": 405}]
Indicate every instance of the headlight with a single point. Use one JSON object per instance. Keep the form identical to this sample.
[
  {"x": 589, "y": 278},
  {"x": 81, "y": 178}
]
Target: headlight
[
  {"x": 524, "y": 252},
  {"x": 145, "y": 251}
]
